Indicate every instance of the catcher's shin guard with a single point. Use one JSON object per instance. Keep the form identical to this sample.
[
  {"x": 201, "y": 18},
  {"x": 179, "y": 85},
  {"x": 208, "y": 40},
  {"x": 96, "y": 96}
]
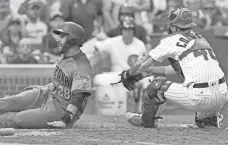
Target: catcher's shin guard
[
  {"x": 151, "y": 112},
  {"x": 154, "y": 102}
]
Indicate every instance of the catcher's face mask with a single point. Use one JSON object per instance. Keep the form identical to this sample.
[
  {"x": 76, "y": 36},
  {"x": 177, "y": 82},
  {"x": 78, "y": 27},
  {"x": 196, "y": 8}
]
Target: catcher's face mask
[{"x": 181, "y": 18}]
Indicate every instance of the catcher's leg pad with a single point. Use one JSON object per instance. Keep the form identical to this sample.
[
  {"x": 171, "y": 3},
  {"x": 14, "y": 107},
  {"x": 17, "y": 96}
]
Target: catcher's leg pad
[
  {"x": 154, "y": 101},
  {"x": 157, "y": 88}
]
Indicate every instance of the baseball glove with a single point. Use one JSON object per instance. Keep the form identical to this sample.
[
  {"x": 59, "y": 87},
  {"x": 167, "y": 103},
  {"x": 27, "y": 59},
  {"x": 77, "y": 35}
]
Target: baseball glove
[{"x": 129, "y": 81}]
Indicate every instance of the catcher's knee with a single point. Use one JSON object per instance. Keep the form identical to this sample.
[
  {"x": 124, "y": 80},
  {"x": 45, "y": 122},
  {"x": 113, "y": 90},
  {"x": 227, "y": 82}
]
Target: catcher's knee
[{"x": 157, "y": 88}]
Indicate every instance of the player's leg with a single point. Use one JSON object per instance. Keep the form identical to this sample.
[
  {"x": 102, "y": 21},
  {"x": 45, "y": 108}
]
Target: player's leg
[
  {"x": 154, "y": 103},
  {"x": 216, "y": 101},
  {"x": 25, "y": 100},
  {"x": 7, "y": 120},
  {"x": 223, "y": 113},
  {"x": 38, "y": 118},
  {"x": 161, "y": 89},
  {"x": 223, "y": 118}
]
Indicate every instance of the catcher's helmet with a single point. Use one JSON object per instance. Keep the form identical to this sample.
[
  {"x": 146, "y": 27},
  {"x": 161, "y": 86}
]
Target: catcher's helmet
[
  {"x": 73, "y": 32},
  {"x": 181, "y": 18}
]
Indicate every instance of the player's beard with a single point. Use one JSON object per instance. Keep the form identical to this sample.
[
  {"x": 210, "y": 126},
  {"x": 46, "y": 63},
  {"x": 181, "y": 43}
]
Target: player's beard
[{"x": 62, "y": 46}]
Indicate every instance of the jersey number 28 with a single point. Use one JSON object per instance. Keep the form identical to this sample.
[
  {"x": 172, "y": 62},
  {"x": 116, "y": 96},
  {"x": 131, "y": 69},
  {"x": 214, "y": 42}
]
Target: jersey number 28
[{"x": 63, "y": 92}]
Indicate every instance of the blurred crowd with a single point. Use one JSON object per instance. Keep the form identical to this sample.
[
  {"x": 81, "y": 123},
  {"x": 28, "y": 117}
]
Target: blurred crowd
[{"x": 26, "y": 25}]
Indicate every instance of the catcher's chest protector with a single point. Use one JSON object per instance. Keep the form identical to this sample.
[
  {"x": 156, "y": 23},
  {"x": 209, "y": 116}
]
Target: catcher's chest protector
[{"x": 200, "y": 44}]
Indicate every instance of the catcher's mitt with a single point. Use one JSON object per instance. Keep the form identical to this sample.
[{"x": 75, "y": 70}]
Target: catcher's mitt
[{"x": 129, "y": 81}]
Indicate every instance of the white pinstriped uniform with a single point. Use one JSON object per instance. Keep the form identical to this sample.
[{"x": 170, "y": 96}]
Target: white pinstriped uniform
[{"x": 196, "y": 69}]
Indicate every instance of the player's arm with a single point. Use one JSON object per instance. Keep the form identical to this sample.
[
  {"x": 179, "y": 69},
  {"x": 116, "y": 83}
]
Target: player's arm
[
  {"x": 80, "y": 91},
  {"x": 161, "y": 52},
  {"x": 160, "y": 71},
  {"x": 75, "y": 105},
  {"x": 103, "y": 46}
]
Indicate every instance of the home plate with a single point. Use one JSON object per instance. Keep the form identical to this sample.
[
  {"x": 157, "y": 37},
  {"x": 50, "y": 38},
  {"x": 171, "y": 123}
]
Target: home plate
[
  {"x": 178, "y": 125},
  {"x": 12, "y": 144}
]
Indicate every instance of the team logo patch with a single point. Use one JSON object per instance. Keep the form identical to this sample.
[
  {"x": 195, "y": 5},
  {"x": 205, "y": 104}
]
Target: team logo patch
[
  {"x": 132, "y": 60},
  {"x": 85, "y": 80}
]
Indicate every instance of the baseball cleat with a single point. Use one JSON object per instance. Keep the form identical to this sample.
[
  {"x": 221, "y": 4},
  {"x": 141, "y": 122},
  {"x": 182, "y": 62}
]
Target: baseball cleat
[
  {"x": 223, "y": 117},
  {"x": 134, "y": 119}
]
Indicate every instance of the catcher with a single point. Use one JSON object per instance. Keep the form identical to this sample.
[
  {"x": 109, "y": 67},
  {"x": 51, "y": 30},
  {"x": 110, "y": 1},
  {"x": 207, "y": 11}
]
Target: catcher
[
  {"x": 60, "y": 103},
  {"x": 204, "y": 88}
]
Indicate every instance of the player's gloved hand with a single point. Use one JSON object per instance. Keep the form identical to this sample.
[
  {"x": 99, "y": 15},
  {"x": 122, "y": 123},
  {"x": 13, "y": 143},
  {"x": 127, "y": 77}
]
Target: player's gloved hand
[
  {"x": 129, "y": 81},
  {"x": 57, "y": 124}
]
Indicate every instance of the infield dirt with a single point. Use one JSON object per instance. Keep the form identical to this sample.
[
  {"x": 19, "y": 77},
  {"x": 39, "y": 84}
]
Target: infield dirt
[{"x": 107, "y": 130}]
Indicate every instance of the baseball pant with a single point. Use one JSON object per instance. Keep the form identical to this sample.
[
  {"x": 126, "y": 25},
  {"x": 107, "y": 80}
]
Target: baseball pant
[
  {"x": 207, "y": 101},
  {"x": 34, "y": 109}
]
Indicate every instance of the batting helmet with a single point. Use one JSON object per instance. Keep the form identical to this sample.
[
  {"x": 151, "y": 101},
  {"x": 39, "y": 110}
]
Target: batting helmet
[
  {"x": 181, "y": 18},
  {"x": 125, "y": 10},
  {"x": 128, "y": 23},
  {"x": 73, "y": 32}
]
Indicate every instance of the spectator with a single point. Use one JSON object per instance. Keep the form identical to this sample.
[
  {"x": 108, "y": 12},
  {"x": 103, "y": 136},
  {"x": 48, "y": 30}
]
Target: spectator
[
  {"x": 35, "y": 27},
  {"x": 171, "y": 5},
  {"x": 124, "y": 49},
  {"x": 11, "y": 34},
  {"x": 127, "y": 13},
  {"x": 50, "y": 43},
  {"x": 139, "y": 8},
  {"x": 83, "y": 12},
  {"x": 195, "y": 7},
  {"x": 16, "y": 8},
  {"x": 24, "y": 55},
  {"x": 211, "y": 14},
  {"x": 4, "y": 9},
  {"x": 223, "y": 6},
  {"x": 110, "y": 8}
]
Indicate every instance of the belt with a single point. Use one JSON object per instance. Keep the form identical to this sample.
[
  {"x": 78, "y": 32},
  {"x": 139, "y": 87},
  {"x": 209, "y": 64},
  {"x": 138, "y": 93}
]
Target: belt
[{"x": 205, "y": 85}]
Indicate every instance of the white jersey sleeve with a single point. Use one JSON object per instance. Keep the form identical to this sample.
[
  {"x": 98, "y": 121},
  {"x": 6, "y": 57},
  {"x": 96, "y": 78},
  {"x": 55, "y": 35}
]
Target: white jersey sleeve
[
  {"x": 170, "y": 47},
  {"x": 142, "y": 49},
  {"x": 103, "y": 46}
]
